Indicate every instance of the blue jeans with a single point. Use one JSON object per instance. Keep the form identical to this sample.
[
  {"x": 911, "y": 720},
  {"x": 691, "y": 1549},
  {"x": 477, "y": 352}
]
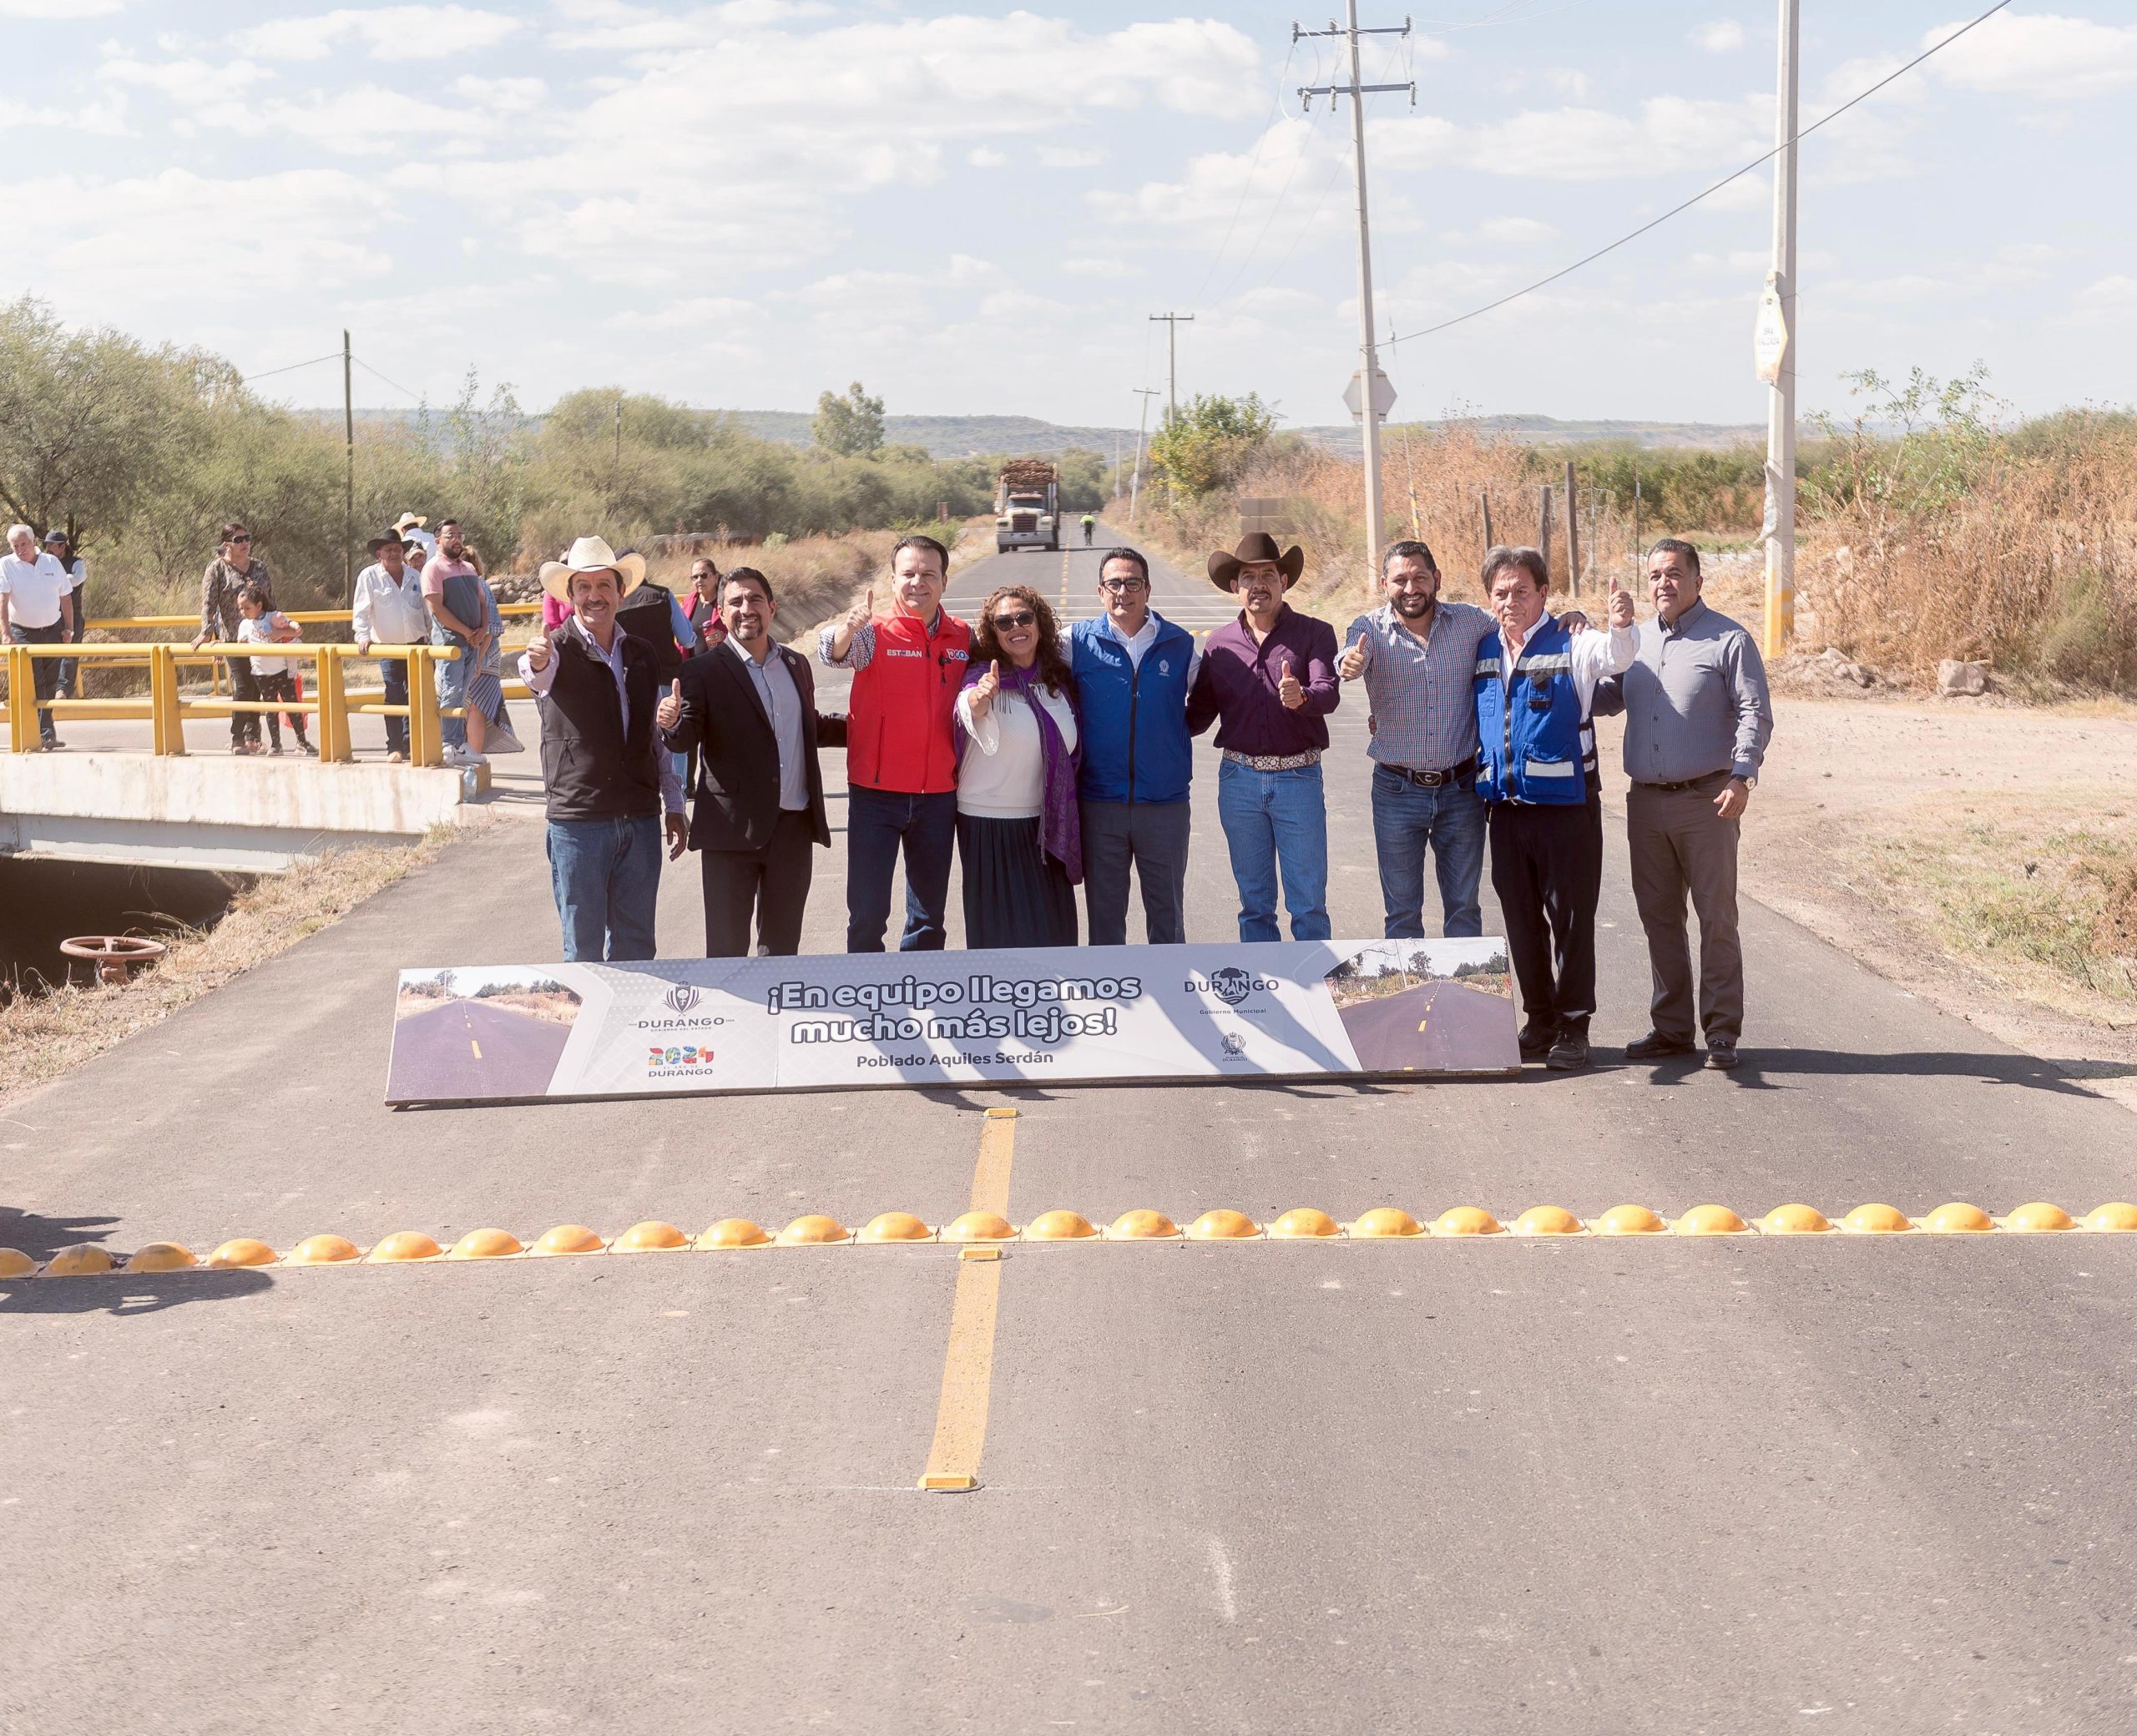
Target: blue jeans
[
  {"x": 606, "y": 877},
  {"x": 1451, "y": 820},
  {"x": 878, "y": 824},
  {"x": 1276, "y": 821}
]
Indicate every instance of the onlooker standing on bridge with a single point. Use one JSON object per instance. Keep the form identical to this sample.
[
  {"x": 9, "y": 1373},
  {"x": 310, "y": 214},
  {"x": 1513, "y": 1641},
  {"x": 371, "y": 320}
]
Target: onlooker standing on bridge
[
  {"x": 412, "y": 531},
  {"x": 389, "y": 610},
  {"x": 1535, "y": 683},
  {"x": 703, "y": 603},
  {"x": 1698, "y": 718},
  {"x": 1417, "y": 656},
  {"x": 1133, "y": 672},
  {"x": 61, "y": 548},
  {"x": 901, "y": 749},
  {"x": 748, "y": 708},
  {"x": 234, "y": 568},
  {"x": 608, "y": 779},
  {"x": 1268, "y": 680},
  {"x": 37, "y": 608},
  {"x": 259, "y": 625},
  {"x": 464, "y": 614}
]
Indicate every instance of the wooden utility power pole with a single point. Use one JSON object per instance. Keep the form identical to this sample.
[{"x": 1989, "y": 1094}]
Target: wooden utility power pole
[
  {"x": 1484, "y": 500},
  {"x": 1173, "y": 323},
  {"x": 1573, "y": 534},
  {"x": 349, "y": 491},
  {"x": 1543, "y": 529},
  {"x": 1778, "y": 306}
]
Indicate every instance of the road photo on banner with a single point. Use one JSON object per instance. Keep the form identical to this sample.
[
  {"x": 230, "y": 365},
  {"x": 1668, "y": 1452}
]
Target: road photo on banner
[{"x": 1278, "y": 1010}]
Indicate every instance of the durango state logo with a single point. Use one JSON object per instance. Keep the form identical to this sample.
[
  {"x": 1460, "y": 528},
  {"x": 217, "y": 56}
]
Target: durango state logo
[{"x": 682, "y": 997}]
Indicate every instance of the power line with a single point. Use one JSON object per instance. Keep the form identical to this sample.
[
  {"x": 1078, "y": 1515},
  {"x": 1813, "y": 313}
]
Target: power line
[
  {"x": 420, "y": 397},
  {"x": 1675, "y": 210},
  {"x": 268, "y": 373},
  {"x": 1246, "y": 186}
]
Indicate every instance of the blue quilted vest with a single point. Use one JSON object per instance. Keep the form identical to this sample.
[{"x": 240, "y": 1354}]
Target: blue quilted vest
[{"x": 1534, "y": 744}]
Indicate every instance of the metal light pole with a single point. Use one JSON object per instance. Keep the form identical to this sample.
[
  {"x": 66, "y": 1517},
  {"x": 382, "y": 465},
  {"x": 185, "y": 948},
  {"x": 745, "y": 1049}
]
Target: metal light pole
[{"x": 1780, "y": 307}]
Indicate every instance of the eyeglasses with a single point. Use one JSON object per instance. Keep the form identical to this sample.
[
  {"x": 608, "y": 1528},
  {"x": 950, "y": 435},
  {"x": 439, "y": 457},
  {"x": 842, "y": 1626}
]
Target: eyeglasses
[
  {"x": 1023, "y": 618},
  {"x": 1119, "y": 585}
]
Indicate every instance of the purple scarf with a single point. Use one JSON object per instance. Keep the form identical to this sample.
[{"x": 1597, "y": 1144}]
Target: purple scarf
[{"x": 1060, "y": 826}]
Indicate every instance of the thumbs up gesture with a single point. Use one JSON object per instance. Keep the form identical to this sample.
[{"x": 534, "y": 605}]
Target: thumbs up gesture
[
  {"x": 1355, "y": 661},
  {"x": 984, "y": 690},
  {"x": 539, "y": 651},
  {"x": 670, "y": 711},
  {"x": 1621, "y": 603},
  {"x": 861, "y": 613},
  {"x": 1288, "y": 689}
]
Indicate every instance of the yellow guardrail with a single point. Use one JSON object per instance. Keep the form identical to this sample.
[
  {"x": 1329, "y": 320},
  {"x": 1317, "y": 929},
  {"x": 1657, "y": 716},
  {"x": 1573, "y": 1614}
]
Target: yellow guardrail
[{"x": 168, "y": 706}]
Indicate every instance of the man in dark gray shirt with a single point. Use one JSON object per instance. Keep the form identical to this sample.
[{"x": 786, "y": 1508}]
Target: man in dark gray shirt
[{"x": 1698, "y": 718}]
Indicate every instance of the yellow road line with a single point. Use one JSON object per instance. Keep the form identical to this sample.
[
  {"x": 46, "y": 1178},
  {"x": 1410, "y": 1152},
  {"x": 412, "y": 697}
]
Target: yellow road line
[
  {"x": 475, "y": 1047},
  {"x": 969, "y": 1364}
]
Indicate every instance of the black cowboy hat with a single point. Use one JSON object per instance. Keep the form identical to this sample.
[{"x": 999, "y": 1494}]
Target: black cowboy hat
[
  {"x": 1255, "y": 546},
  {"x": 391, "y": 539}
]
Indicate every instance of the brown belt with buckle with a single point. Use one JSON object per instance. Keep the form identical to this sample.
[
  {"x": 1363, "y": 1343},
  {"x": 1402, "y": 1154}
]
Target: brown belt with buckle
[{"x": 1435, "y": 779}]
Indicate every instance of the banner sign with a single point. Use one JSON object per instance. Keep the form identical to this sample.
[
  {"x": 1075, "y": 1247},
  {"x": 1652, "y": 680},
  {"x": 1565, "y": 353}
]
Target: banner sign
[{"x": 1279, "y": 1009}]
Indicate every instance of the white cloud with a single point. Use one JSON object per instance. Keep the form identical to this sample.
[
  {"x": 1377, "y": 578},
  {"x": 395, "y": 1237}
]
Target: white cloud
[
  {"x": 1667, "y": 135},
  {"x": 2111, "y": 298},
  {"x": 1720, "y": 36},
  {"x": 1062, "y": 156},
  {"x": 1513, "y": 231},
  {"x": 985, "y": 156},
  {"x": 2040, "y": 55},
  {"x": 186, "y": 81},
  {"x": 1090, "y": 267},
  {"x": 709, "y": 313},
  {"x": 1270, "y": 189},
  {"x": 1570, "y": 82},
  {"x": 59, "y": 10},
  {"x": 390, "y": 32}
]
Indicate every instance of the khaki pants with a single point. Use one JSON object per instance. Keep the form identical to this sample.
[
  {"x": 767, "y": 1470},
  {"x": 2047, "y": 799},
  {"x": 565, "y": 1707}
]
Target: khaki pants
[{"x": 1681, "y": 845}]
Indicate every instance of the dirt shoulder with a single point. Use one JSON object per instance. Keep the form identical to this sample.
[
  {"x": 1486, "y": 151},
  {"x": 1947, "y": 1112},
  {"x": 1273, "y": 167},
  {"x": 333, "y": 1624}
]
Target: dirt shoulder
[{"x": 1980, "y": 855}]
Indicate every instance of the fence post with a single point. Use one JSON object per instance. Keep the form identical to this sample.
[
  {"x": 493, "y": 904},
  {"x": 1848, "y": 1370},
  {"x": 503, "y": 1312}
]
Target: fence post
[
  {"x": 1543, "y": 529},
  {"x": 330, "y": 687},
  {"x": 166, "y": 717},
  {"x": 1573, "y": 533},
  {"x": 22, "y": 700},
  {"x": 426, "y": 739},
  {"x": 1484, "y": 500}
]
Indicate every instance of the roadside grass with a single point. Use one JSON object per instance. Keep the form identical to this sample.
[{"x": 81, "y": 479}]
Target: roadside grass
[
  {"x": 2042, "y": 897},
  {"x": 41, "y": 1034}
]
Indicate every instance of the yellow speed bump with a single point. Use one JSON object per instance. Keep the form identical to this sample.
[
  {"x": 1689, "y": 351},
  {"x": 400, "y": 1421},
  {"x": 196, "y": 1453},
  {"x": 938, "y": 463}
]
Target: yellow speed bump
[
  {"x": 239, "y": 1251},
  {"x": 1956, "y": 1218},
  {"x": 2037, "y": 1216},
  {"x": 486, "y": 1245},
  {"x": 1304, "y": 1223},
  {"x": 1385, "y": 1223},
  {"x": 895, "y": 1227},
  {"x": 1876, "y": 1219},
  {"x": 79, "y": 1261},
  {"x": 2117, "y": 1215},
  {"x": 814, "y": 1230},
  {"x": 1548, "y": 1220},
  {"x": 324, "y": 1251},
  {"x": 15, "y": 1264},
  {"x": 1144, "y": 1226},
  {"x": 735, "y": 1233},
  {"x": 979, "y": 1227},
  {"x": 1795, "y": 1220},
  {"x": 654, "y": 1236},
  {"x": 567, "y": 1239},
  {"x": 162, "y": 1257},
  {"x": 1711, "y": 1220},
  {"x": 1060, "y": 1227},
  {"x": 1467, "y": 1221},
  {"x": 1630, "y": 1220},
  {"x": 404, "y": 1247},
  {"x": 1222, "y": 1225}
]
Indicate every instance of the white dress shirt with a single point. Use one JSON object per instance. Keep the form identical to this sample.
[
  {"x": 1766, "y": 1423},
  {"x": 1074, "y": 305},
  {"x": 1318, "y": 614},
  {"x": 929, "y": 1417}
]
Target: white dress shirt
[
  {"x": 1593, "y": 656},
  {"x": 1145, "y": 635}
]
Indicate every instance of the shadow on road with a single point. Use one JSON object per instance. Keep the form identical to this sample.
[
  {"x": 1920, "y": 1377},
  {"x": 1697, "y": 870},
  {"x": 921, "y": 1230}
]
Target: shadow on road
[
  {"x": 117, "y": 1292},
  {"x": 41, "y": 1236},
  {"x": 1765, "y": 1069}
]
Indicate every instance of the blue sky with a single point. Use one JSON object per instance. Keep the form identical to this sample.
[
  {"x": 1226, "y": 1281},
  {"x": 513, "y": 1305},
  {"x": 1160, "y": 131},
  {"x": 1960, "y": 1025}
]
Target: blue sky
[{"x": 976, "y": 210}]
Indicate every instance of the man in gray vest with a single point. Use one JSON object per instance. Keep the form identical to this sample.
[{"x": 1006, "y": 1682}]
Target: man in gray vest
[{"x": 1698, "y": 718}]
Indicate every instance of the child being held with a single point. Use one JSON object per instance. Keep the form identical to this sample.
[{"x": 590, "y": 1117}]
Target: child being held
[{"x": 264, "y": 626}]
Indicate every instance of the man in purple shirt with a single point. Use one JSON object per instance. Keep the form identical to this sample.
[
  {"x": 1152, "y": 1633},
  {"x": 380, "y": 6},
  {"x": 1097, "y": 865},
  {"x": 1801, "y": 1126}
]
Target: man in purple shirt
[{"x": 1268, "y": 680}]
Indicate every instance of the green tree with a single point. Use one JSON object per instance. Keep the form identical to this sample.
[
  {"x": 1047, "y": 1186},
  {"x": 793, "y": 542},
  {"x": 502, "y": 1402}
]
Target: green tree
[
  {"x": 1210, "y": 442},
  {"x": 852, "y": 427}
]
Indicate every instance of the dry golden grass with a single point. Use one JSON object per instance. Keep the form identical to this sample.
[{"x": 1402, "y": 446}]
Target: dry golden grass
[{"x": 41, "y": 1035}]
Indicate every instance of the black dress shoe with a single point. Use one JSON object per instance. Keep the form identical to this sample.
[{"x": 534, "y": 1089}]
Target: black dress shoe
[
  {"x": 1536, "y": 1041},
  {"x": 1569, "y": 1054},
  {"x": 1654, "y": 1046},
  {"x": 1722, "y": 1056}
]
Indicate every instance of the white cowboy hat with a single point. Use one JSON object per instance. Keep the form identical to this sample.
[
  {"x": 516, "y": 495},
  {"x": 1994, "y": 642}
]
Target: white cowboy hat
[
  {"x": 591, "y": 554},
  {"x": 408, "y": 519}
]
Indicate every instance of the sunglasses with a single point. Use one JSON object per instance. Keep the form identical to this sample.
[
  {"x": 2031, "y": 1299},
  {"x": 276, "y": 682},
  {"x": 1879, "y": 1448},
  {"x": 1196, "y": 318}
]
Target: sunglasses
[
  {"x": 1023, "y": 618},
  {"x": 235, "y": 540}
]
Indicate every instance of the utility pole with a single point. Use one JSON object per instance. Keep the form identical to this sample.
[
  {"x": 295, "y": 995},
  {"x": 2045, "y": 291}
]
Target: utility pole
[
  {"x": 1776, "y": 344},
  {"x": 1135, "y": 479},
  {"x": 1375, "y": 396},
  {"x": 1173, "y": 323},
  {"x": 620, "y": 431},
  {"x": 349, "y": 494}
]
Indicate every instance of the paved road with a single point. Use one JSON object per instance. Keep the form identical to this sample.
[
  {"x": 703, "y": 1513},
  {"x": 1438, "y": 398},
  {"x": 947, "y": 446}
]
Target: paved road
[
  {"x": 468, "y": 1049},
  {"x": 1435, "y": 1025},
  {"x": 1736, "y": 1486}
]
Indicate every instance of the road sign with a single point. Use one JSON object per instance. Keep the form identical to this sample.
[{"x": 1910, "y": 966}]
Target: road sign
[
  {"x": 1383, "y": 395},
  {"x": 1769, "y": 335}
]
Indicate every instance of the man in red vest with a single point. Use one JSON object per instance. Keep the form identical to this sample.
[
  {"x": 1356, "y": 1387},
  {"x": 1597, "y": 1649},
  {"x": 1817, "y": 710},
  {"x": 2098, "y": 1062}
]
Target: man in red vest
[{"x": 901, "y": 752}]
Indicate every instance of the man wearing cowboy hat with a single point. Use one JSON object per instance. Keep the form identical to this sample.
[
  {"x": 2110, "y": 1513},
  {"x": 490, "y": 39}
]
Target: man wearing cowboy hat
[
  {"x": 413, "y": 535},
  {"x": 1268, "y": 681},
  {"x": 607, "y": 777},
  {"x": 388, "y": 609}
]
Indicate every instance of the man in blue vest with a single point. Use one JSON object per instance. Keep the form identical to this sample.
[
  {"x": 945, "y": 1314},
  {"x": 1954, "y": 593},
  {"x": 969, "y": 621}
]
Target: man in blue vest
[
  {"x": 1133, "y": 669},
  {"x": 1543, "y": 803}
]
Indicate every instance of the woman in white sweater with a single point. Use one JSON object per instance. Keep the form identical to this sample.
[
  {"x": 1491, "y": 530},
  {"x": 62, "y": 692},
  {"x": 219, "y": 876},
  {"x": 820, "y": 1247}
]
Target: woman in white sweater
[{"x": 1018, "y": 838}]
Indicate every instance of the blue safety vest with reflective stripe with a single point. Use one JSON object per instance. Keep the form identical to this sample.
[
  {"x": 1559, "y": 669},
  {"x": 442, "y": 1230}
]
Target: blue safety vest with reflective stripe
[{"x": 1535, "y": 743}]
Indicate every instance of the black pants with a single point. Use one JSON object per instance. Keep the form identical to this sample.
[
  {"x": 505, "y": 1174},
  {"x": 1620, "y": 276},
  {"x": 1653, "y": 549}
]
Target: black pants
[
  {"x": 1547, "y": 871},
  {"x": 70, "y": 668},
  {"x": 771, "y": 884},
  {"x": 44, "y": 671},
  {"x": 244, "y": 725},
  {"x": 281, "y": 687}
]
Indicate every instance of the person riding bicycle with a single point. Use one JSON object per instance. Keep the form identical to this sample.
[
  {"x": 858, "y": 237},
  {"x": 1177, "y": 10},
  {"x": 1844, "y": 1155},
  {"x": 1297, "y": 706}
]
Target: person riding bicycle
[{"x": 1090, "y": 524}]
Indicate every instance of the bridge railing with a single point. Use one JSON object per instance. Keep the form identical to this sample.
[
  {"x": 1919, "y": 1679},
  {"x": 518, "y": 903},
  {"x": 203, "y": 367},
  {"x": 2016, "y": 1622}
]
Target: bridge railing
[{"x": 168, "y": 705}]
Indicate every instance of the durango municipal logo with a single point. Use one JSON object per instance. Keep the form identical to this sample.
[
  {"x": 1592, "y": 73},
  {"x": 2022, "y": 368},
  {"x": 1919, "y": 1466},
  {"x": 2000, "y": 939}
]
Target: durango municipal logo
[{"x": 1229, "y": 983}]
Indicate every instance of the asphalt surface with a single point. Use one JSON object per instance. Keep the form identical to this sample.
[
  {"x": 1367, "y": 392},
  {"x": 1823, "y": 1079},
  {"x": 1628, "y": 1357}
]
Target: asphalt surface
[
  {"x": 1658, "y": 1485},
  {"x": 471, "y": 1049},
  {"x": 1434, "y": 1025}
]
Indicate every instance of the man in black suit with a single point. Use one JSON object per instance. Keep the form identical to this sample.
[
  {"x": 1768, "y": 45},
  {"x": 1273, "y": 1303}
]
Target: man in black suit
[{"x": 749, "y": 707}]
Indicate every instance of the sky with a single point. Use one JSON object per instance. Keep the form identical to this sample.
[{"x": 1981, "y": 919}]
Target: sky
[{"x": 976, "y": 211}]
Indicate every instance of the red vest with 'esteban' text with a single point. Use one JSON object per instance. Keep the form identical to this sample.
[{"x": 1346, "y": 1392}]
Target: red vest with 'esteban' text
[{"x": 900, "y": 730}]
